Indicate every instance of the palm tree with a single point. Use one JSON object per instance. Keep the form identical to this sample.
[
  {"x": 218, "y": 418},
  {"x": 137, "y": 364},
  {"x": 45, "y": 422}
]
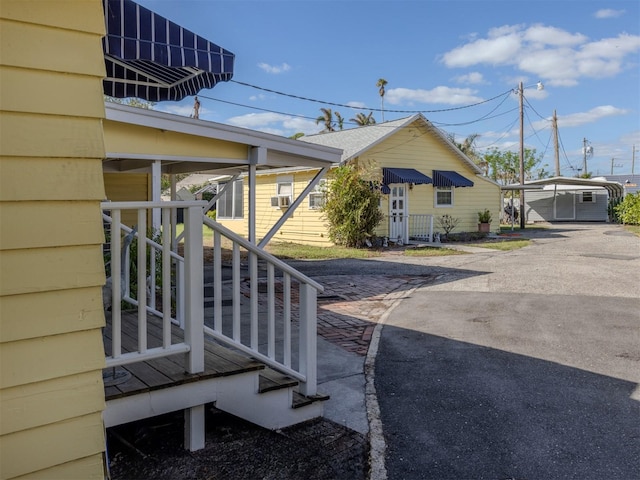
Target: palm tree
[
  {"x": 327, "y": 119},
  {"x": 363, "y": 120},
  {"x": 381, "y": 83},
  {"x": 339, "y": 119},
  {"x": 469, "y": 149}
]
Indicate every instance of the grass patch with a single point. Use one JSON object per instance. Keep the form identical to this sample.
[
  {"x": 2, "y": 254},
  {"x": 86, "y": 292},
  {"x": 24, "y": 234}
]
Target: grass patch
[
  {"x": 505, "y": 245},
  {"x": 635, "y": 229},
  {"x": 296, "y": 251},
  {"x": 431, "y": 252}
]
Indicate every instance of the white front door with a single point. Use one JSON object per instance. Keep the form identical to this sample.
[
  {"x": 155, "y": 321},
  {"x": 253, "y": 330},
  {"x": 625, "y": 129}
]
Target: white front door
[{"x": 397, "y": 213}]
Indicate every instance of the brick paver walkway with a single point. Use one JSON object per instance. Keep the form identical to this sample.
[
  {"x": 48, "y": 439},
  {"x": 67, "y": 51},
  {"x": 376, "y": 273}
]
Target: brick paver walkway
[{"x": 352, "y": 305}]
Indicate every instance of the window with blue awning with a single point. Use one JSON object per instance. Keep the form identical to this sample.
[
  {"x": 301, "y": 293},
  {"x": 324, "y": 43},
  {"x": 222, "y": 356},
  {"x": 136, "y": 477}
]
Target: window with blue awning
[
  {"x": 150, "y": 57},
  {"x": 449, "y": 178}
]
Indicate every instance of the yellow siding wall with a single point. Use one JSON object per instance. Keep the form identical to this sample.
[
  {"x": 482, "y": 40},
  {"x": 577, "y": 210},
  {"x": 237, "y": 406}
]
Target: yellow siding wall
[
  {"x": 51, "y": 267},
  {"x": 306, "y": 226},
  {"x": 128, "y": 187},
  {"x": 413, "y": 147}
]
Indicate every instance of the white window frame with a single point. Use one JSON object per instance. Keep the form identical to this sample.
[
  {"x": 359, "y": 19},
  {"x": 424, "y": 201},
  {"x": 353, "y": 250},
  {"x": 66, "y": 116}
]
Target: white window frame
[
  {"x": 590, "y": 192},
  {"x": 437, "y": 190},
  {"x": 231, "y": 193},
  {"x": 318, "y": 192}
]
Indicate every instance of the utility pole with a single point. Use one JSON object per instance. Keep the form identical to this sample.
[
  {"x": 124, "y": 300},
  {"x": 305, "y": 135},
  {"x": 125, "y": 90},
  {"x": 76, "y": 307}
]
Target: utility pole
[
  {"x": 521, "y": 98},
  {"x": 616, "y": 165},
  {"x": 633, "y": 159},
  {"x": 555, "y": 142}
]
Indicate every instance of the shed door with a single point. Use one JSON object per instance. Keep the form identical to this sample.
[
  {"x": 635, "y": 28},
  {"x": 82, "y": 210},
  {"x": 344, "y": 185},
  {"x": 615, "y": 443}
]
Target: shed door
[
  {"x": 565, "y": 206},
  {"x": 397, "y": 213}
]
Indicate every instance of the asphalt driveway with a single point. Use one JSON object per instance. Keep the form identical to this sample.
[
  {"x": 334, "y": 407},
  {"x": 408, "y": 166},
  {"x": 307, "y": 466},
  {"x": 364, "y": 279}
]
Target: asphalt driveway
[{"x": 517, "y": 365}]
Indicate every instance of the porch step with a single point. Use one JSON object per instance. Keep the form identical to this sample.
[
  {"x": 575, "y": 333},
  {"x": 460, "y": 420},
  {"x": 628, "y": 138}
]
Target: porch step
[
  {"x": 300, "y": 400},
  {"x": 234, "y": 382},
  {"x": 271, "y": 380}
]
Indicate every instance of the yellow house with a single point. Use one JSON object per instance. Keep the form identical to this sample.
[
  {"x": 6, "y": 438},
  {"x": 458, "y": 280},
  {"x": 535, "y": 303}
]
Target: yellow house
[
  {"x": 62, "y": 154},
  {"x": 423, "y": 175},
  {"x": 51, "y": 268}
]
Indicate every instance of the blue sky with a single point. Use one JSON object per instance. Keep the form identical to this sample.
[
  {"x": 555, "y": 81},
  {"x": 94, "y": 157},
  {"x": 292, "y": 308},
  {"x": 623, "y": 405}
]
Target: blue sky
[{"x": 438, "y": 57}]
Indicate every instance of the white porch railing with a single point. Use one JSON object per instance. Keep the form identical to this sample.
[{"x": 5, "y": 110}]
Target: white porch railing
[
  {"x": 246, "y": 316},
  {"x": 421, "y": 227},
  {"x": 410, "y": 227}
]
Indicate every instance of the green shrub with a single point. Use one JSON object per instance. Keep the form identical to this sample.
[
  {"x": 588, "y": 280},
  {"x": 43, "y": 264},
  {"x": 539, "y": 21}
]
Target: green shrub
[
  {"x": 351, "y": 207},
  {"x": 628, "y": 211}
]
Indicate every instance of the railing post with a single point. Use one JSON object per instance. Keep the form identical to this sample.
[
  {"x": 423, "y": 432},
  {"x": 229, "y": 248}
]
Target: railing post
[
  {"x": 194, "y": 284},
  {"x": 308, "y": 338},
  {"x": 430, "y": 228}
]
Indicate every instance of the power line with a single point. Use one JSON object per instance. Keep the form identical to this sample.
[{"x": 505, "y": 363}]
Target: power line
[
  {"x": 531, "y": 106},
  {"x": 342, "y": 105},
  {"x": 251, "y": 107}
]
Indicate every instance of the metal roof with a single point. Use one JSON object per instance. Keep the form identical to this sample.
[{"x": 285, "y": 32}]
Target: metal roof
[
  {"x": 355, "y": 141},
  {"x": 615, "y": 189}
]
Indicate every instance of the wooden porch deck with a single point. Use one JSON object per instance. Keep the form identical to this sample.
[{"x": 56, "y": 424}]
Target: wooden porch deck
[{"x": 165, "y": 372}]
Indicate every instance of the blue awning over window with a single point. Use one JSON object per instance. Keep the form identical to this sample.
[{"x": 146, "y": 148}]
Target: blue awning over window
[
  {"x": 404, "y": 175},
  {"x": 150, "y": 57},
  {"x": 448, "y": 178}
]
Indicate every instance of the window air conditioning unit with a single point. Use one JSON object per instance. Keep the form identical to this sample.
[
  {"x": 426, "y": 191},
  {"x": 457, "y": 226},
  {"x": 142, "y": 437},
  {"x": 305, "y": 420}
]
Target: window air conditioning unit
[{"x": 282, "y": 201}]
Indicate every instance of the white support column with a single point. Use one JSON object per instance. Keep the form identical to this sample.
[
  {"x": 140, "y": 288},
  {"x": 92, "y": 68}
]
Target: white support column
[
  {"x": 194, "y": 428},
  {"x": 308, "y": 339},
  {"x": 174, "y": 213},
  {"x": 258, "y": 155},
  {"x": 156, "y": 190},
  {"x": 194, "y": 284}
]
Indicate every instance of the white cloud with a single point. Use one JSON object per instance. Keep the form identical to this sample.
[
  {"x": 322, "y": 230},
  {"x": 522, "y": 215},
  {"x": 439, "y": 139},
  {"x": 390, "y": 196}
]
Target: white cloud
[
  {"x": 608, "y": 13},
  {"x": 275, "y": 123},
  {"x": 582, "y": 118},
  {"x": 275, "y": 69},
  {"x": 472, "y": 78},
  {"x": 493, "y": 51},
  {"x": 260, "y": 96},
  {"x": 557, "y": 56},
  {"x": 542, "y": 35},
  {"x": 445, "y": 95}
]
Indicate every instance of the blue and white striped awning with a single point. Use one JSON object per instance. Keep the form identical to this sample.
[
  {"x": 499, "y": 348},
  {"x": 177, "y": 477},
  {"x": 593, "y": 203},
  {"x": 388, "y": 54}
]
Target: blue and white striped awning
[
  {"x": 448, "y": 178},
  {"x": 150, "y": 57},
  {"x": 403, "y": 175}
]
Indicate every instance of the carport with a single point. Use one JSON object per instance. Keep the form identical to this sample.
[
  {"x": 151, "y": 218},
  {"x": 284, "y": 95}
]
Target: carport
[{"x": 569, "y": 198}]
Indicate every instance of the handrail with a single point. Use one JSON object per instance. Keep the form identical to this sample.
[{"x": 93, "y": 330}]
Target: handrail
[
  {"x": 302, "y": 278},
  {"x": 193, "y": 262},
  {"x": 148, "y": 241},
  {"x": 189, "y": 295}
]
